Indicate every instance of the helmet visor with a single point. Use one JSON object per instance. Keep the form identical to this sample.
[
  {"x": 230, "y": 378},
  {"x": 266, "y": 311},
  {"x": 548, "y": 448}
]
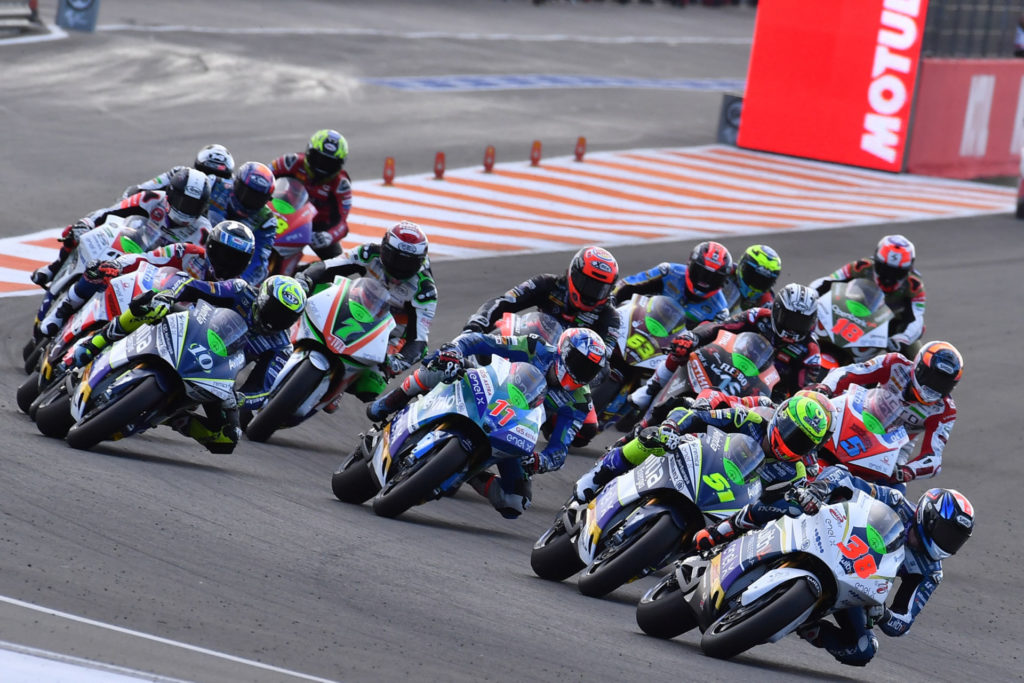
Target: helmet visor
[
  {"x": 591, "y": 292},
  {"x": 945, "y": 534},
  {"x": 273, "y": 316},
  {"x": 250, "y": 199},
  {"x": 756, "y": 277},
  {"x": 185, "y": 209},
  {"x": 580, "y": 367},
  {"x": 399, "y": 264},
  {"x": 932, "y": 383},
  {"x": 322, "y": 165},
  {"x": 789, "y": 441},
  {"x": 704, "y": 281},
  {"x": 792, "y": 324},
  {"x": 227, "y": 262},
  {"x": 890, "y": 276}
]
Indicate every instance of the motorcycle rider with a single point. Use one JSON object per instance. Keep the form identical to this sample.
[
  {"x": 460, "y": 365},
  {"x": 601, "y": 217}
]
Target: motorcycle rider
[
  {"x": 569, "y": 366},
  {"x": 750, "y": 284},
  {"x": 787, "y": 326},
  {"x": 213, "y": 160},
  {"x": 400, "y": 263},
  {"x": 269, "y": 311},
  {"x": 329, "y": 186},
  {"x": 252, "y": 186},
  {"x": 580, "y": 298},
  {"x": 892, "y": 269},
  {"x": 226, "y": 254},
  {"x": 788, "y": 435},
  {"x": 924, "y": 386},
  {"x": 936, "y": 528},
  {"x": 696, "y": 286}
]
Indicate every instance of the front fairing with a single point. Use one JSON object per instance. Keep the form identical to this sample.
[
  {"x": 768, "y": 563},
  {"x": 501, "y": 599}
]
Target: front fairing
[
  {"x": 650, "y": 324},
  {"x": 865, "y": 442},
  {"x": 351, "y": 318},
  {"x": 853, "y": 315},
  {"x": 738, "y": 365}
]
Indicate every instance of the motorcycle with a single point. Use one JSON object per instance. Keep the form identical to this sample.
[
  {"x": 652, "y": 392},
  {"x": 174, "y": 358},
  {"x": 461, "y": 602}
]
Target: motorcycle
[
  {"x": 93, "y": 315},
  {"x": 647, "y": 517},
  {"x": 116, "y": 236},
  {"x": 765, "y": 584},
  {"x": 853, "y": 323},
  {"x": 432, "y": 446},
  {"x": 154, "y": 374},
  {"x": 648, "y": 325},
  {"x": 738, "y": 365},
  {"x": 343, "y": 332},
  {"x": 863, "y": 438},
  {"x": 294, "y": 212}
]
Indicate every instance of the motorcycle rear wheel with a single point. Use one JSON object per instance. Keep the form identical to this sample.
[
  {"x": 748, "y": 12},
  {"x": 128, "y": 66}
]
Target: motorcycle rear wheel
[
  {"x": 554, "y": 556},
  {"x": 663, "y": 612},
  {"x": 626, "y": 562},
  {"x": 138, "y": 400},
  {"x": 295, "y": 389},
  {"x": 419, "y": 486},
  {"x": 743, "y": 627}
]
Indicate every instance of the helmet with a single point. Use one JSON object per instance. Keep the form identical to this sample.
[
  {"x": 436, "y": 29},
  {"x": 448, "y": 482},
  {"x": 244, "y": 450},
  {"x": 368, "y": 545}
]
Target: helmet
[
  {"x": 187, "y": 194},
  {"x": 325, "y": 154},
  {"x": 944, "y": 522},
  {"x": 794, "y": 312},
  {"x": 278, "y": 304},
  {"x": 710, "y": 263},
  {"x": 938, "y": 366},
  {"x": 581, "y": 355},
  {"x": 826, "y": 405},
  {"x": 894, "y": 259},
  {"x": 403, "y": 250},
  {"x": 215, "y": 160},
  {"x": 800, "y": 424},
  {"x": 253, "y": 186},
  {"x": 592, "y": 274},
  {"x": 758, "y": 269},
  {"x": 229, "y": 248}
]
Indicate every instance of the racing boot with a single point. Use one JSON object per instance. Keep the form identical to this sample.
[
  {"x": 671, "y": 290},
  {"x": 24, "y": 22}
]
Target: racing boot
[
  {"x": 389, "y": 403},
  {"x": 611, "y": 465},
  {"x": 56, "y": 318}
]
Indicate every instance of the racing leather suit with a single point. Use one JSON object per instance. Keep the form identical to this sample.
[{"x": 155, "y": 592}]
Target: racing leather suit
[
  {"x": 907, "y": 302},
  {"x": 332, "y": 198},
  {"x": 669, "y": 279},
  {"x": 927, "y": 424}
]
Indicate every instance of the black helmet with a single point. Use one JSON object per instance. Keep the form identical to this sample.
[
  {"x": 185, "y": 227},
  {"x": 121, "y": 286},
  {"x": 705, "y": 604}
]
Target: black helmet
[
  {"x": 188, "y": 195},
  {"x": 945, "y": 520},
  {"x": 229, "y": 248},
  {"x": 215, "y": 160},
  {"x": 794, "y": 313}
]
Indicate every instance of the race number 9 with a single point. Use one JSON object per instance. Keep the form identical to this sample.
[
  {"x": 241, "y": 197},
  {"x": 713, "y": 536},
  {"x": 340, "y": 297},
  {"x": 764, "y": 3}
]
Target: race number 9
[{"x": 857, "y": 550}]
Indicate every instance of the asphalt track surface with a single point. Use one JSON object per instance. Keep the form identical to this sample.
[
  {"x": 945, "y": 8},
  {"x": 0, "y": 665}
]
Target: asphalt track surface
[{"x": 248, "y": 557}]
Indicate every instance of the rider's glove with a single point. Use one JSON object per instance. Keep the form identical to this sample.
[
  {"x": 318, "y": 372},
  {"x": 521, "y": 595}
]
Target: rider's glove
[
  {"x": 73, "y": 232},
  {"x": 808, "y": 498},
  {"x": 449, "y": 361},
  {"x": 682, "y": 346},
  {"x": 304, "y": 281},
  {"x": 666, "y": 437},
  {"x": 397, "y": 364},
  {"x": 713, "y": 535},
  {"x": 477, "y": 323},
  {"x": 321, "y": 239},
  {"x": 896, "y": 342},
  {"x": 159, "y": 307},
  {"x": 82, "y": 354},
  {"x": 101, "y": 272},
  {"x": 903, "y": 474},
  {"x": 820, "y": 388},
  {"x": 531, "y": 463}
]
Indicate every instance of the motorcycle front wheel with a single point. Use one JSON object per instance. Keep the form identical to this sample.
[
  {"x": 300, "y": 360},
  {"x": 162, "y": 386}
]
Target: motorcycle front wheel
[
  {"x": 353, "y": 482},
  {"x": 663, "y": 612},
  {"x": 53, "y": 417},
  {"x": 418, "y": 484},
  {"x": 293, "y": 392},
  {"x": 112, "y": 418},
  {"x": 554, "y": 555},
  {"x": 621, "y": 563},
  {"x": 28, "y": 391}
]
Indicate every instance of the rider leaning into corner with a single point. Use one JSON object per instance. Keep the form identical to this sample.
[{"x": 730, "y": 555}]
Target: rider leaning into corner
[
  {"x": 580, "y": 298},
  {"x": 569, "y": 366},
  {"x": 213, "y": 160},
  {"x": 924, "y": 386},
  {"x": 936, "y": 528},
  {"x": 401, "y": 264},
  {"x": 892, "y": 269},
  {"x": 320, "y": 170}
]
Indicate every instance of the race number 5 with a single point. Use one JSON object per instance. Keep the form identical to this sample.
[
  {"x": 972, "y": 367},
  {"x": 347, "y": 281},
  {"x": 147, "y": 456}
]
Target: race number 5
[{"x": 857, "y": 550}]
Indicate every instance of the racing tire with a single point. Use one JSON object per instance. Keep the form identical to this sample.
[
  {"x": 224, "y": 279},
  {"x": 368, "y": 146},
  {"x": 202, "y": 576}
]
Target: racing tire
[
  {"x": 28, "y": 391},
  {"x": 621, "y": 564},
  {"x": 554, "y": 556},
  {"x": 32, "y": 359},
  {"x": 292, "y": 392},
  {"x": 663, "y": 612},
  {"x": 421, "y": 483},
  {"x": 743, "y": 627},
  {"x": 112, "y": 417},
  {"x": 353, "y": 482},
  {"x": 54, "y": 418},
  {"x": 30, "y": 345}
]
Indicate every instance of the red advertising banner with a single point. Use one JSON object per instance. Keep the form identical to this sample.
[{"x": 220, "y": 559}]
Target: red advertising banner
[
  {"x": 968, "y": 119},
  {"x": 833, "y": 80}
]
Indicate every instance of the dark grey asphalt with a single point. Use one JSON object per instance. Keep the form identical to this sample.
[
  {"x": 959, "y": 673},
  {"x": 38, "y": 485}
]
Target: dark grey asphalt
[{"x": 249, "y": 554}]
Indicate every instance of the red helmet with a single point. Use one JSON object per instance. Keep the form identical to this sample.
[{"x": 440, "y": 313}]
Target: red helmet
[
  {"x": 894, "y": 259},
  {"x": 710, "y": 263},
  {"x": 938, "y": 367},
  {"x": 592, "y": 274},
  {"x": 403, "y": 250}
]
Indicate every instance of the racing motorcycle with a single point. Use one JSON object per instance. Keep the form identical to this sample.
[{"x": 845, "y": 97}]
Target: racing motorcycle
[
  {"x": 765, "y": 584},
  {"x": 432, "y": 446},
  {"x": 648, "y": 324},
  {"x": 735, "y": 364},
  {"x": 863, "y": 438},
  {"x": 116, "y": 236},
  {"x": 647, "y": 517},
  {"x": 93, "y": 315},
  {"x": 853, "y": 323},
  {"x": 291, "y": 206},
  {"x": 343, "y": 332},
  {"x": 154, "y": 374}
]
